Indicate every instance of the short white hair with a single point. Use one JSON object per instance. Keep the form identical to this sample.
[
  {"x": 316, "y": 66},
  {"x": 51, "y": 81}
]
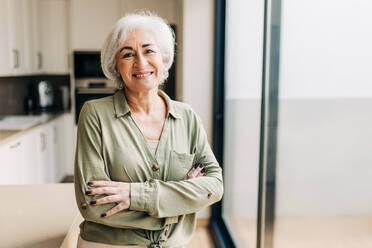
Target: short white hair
[{"x": 164, "y": 35}]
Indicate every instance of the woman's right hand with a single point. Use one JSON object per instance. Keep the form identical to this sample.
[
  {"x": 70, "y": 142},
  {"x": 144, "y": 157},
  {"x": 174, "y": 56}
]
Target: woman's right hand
[{"x": 196, "y": 171}]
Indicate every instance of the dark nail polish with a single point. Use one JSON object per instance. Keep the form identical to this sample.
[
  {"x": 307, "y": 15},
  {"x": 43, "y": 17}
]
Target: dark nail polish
[
  {"x": 93, "y": 202},
  {"x": 84, "y": 206},
  {"x": 90, "y": 183},
  {"x": 201, "y": 165},
  {"x": 196, "y": 166},
  {"x": 203, "y": 170},
  {"x": 103, "y": 215},
  {"x": 88, "y": 192}
]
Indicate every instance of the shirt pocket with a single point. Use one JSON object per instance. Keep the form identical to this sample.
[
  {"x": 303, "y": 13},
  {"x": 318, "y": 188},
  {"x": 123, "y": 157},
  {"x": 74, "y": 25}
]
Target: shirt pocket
[{"x": 179, "y": 165}]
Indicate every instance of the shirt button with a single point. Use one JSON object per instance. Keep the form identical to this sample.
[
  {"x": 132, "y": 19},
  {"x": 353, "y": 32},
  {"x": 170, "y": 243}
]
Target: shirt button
[
  {"x": 155, "y": 167},
  {"x": 209, "y": 195}
]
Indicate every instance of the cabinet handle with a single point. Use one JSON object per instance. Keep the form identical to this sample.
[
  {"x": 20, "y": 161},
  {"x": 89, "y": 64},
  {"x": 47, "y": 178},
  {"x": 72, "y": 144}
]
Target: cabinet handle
[
  {"x": 15, "y": 145},
  {"x": 43, "y": 141},
  {"x": 39, "y": 60},
  {"x": 55, "y": 135},
  {"x": 16, "y": 58}
]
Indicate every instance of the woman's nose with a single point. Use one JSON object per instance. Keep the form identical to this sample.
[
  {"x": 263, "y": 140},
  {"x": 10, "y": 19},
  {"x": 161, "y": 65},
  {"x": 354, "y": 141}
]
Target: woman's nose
[{"x": 140, "y": 60}]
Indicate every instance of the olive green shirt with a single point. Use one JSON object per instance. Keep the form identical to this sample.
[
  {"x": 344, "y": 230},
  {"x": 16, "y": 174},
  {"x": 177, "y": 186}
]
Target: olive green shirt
[{"x": 110, "y": 146}]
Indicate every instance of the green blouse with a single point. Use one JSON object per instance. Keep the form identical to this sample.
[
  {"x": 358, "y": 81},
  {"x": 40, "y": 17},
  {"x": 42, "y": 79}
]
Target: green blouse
[{"x": 110, "y": 146}]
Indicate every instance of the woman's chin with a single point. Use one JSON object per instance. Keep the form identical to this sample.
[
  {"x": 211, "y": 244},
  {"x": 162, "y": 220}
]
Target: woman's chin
[{"x": 144, "y": 87}]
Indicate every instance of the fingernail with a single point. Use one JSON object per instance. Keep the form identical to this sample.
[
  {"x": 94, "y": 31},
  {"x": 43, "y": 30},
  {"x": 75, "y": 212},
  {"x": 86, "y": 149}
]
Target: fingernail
[
  {"x": 84, "y": 206},
  {"x": 103, "y": 215},
  {"x": 201, "y": 165},
  {"x": 203, "y": 170},
  {"x": 88, "y": 192},
  {"x": 93, "y": 202},
  {"x": 90, "y": 183}
]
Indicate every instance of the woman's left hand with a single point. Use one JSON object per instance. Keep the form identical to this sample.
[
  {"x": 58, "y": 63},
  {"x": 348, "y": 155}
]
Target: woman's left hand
[{"x": 118, "y": 192}]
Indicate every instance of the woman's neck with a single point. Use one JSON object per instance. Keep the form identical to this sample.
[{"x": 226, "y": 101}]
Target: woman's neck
[{"x": 144, "y": 102}]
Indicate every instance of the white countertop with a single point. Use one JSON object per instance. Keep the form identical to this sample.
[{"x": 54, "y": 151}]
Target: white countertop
[
  {"x": 37, "y": 215},
  {"x": 33, "y": 121}
]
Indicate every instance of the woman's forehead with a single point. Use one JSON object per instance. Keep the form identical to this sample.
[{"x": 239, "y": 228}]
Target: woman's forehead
[{"x": 140, "y": 37}]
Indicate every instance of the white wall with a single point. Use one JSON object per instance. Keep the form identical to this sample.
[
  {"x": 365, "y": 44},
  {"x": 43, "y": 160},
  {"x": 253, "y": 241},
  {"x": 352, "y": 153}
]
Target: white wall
[
  {"x": 197, "y": 90},
  {"x": 198, "y": 31}
]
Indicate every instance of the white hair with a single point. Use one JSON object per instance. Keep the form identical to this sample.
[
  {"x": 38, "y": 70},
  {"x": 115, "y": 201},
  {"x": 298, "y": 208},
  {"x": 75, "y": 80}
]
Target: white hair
[{"x": 146, "y": 20}]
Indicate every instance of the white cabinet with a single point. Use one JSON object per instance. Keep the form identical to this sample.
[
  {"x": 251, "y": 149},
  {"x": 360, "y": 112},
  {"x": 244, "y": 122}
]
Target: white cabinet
[
  {"x": 37, "y": 53},
  {"x": 45, "y": 162},
  {"x": 5, "y": 48},
  {"x": 64, "y": 148},
  {"x": 53, "y": 36},
  {"x": 14, "y": 30},
  {"x": 42, "y": 155},
  {"x": 34, "y": 37},
  {"x": 12, "y": 163}
]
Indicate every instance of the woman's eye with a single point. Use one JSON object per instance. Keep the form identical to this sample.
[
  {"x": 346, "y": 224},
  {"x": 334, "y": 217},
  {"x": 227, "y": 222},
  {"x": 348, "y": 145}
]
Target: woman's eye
[
  {"x": 127, "y": 55},
  {"x": 149, "y": 51}
]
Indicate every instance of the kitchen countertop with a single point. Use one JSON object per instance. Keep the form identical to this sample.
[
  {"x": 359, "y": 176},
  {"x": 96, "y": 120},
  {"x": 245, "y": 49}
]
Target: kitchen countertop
[
  {"x": 37, "y": 215},
  {"x": 7, "y": 136}
]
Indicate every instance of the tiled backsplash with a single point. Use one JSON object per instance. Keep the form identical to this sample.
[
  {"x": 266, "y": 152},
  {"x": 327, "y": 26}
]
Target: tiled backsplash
[{"x": 13, "y": 91}]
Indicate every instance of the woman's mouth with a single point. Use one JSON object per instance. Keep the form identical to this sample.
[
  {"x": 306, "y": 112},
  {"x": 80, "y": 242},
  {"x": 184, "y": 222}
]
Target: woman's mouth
[{"x": 142, "y": 75}]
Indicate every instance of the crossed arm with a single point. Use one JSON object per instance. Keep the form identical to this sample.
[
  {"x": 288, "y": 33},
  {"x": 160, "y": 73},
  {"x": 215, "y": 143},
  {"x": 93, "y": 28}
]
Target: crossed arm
[{"x": 119, "y": 192}]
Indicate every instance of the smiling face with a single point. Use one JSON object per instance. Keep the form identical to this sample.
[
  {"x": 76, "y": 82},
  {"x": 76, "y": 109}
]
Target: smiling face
[{"x": 139, "y": 61}]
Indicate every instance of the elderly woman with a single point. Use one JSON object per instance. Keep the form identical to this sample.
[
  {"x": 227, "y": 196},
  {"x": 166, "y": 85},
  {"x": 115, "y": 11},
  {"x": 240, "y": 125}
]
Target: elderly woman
[{"x": 143, "y": 165}]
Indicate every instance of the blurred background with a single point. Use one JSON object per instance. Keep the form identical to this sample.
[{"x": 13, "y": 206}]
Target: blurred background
[{"x": 282, "y": 87}]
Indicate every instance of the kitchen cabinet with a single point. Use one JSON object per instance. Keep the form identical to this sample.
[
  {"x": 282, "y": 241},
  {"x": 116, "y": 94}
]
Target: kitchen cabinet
[
  {"x": 37, "y": 53},
  {"x": 53, "y": 36},
  {"x": 45, "y": 153},
  {"x": 30, "y": 165},
  {"x": 34, "y": 37},
  {"x": 12, "y": 163},
  {"x": 5, "y": 48},
  {"x": 14, "y": 30},
  {"x": 64, "y": 146},
  {"x": 54, "y": 149},
  {"x": 42, "y": 155}
]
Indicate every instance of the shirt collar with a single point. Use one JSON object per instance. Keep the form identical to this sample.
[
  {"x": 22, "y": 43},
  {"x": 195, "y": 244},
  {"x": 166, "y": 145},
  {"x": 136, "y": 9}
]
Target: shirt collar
[{"x": 121, "y": 105}]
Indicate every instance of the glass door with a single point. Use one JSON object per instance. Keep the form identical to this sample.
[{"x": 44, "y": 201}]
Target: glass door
[
  {"x": 321, "y": 168},
  {"x": 242, "y": 101}
]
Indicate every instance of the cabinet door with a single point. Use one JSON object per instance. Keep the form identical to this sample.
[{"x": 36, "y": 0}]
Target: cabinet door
[
  {"x": 12, "y": 163},
  {"x": 59, "y": 151},
  {"x": 53, "y": 30},
  {"x": 31, "y": 163},
  {"x": 19, "y": 31},
  {"x": 45, "y": 170},
  {"x": 37, "y": 54},
  {"x": 15, "y": 30},
  {"x": 5, "y": 49},
  {"x": 54, "y": 151},
  {"x": 65, "y": 146}
]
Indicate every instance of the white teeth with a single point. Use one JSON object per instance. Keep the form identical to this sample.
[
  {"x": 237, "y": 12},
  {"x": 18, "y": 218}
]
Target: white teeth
[{"x": 142, "y": 75}]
